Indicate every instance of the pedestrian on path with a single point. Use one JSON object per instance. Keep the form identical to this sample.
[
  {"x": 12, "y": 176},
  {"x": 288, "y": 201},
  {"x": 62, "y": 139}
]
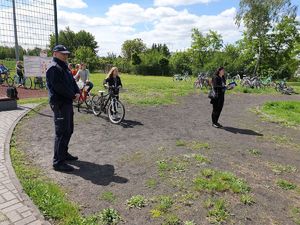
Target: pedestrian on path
[
  {"x": 219, "y": 86},
  {"x": 63, "y": 90}
]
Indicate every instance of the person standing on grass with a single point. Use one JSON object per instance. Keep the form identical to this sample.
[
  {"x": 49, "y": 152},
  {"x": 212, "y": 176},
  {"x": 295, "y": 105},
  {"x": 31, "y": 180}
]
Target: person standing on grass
[
  {"x": 63, "y": 90},
  {"x": 219, "y": 86}
]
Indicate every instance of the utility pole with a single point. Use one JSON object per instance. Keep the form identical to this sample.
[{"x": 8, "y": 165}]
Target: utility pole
[
  {"x": 15, "y": 30},
  {"x": 55, "y": 22}
]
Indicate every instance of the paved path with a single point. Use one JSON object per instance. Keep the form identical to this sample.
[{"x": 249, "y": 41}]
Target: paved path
[{"x": 15, "y": 206}]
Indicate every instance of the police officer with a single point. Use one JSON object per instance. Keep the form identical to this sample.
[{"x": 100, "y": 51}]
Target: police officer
[{"x": 63, "y": 90}]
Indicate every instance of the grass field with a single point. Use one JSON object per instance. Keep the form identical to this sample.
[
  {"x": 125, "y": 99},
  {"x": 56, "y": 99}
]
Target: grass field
[
  {"x": 147, "y": 90},
  {"x": 286, "y": 112}
]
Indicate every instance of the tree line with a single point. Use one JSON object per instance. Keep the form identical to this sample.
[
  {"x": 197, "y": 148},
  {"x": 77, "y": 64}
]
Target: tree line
[{"x": 270, "y": 46}]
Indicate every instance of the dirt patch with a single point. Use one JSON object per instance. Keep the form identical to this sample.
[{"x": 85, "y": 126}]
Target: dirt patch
[
  {"x": 128, "y": 159},
  {"x": 25, "y": 93}
]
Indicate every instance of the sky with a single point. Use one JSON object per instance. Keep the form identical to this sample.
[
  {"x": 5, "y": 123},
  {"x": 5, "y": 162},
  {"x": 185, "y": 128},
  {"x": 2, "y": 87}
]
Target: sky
[{"x": 154, "y": 21}]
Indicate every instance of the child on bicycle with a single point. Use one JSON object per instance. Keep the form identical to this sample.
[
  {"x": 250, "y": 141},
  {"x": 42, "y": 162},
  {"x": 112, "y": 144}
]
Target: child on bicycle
[{"x": 113, "y": 80}]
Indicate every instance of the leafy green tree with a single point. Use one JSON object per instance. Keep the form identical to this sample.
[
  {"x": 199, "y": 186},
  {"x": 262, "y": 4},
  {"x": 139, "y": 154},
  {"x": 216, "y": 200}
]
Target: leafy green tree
[
  {"x": 85, "y": 54},
  {"x": 136, "y": 59},
  {"x": 181, "y": 62},
  {"x": 73, "y": 40},
  {"x": 203, "y": 48},
  {"x": 133, "y": 46},
  {"x": 258, "y": 17}
]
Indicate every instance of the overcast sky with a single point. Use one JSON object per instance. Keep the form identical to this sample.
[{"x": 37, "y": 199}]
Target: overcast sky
[{"x": 155, "y": 21}]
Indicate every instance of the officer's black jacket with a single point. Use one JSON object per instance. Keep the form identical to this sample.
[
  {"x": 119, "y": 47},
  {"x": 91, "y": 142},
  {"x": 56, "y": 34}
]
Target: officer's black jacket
[{"x": 61, "y": 85}]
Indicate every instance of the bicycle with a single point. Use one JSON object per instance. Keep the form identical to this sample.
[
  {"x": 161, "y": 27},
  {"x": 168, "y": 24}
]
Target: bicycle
[
  {"x": 7, "y": 79},
  {"x": 26, "y": 82},
  {"x": 180, "y": 77},
  {"x": 39, "y": 83},
  {"x": 84, "y": 97},
  {"x": 202, "y": 81},
  {"x": 109, "y": 104}
]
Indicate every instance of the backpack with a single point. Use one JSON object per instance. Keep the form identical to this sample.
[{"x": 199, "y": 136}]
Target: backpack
[{"x": 12, "y": 92}]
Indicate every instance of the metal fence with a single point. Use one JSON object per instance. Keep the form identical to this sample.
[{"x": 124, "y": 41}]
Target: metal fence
[{"x": 26, "y": 23}]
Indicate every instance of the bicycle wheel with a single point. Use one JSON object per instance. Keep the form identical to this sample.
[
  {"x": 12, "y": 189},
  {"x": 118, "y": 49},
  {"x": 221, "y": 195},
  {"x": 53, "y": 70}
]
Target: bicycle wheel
[
  {"x": 9, "y": 81},
  {"x": 116, "y": 112},
  {"x": 16, "y": 80},
  {"x": 89, "y": 102},
  {"x": 97, "y": 104},
  {"x": 27, "y": 82}
]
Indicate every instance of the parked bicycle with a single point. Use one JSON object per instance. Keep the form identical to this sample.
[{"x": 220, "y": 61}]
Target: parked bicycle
[
  {"x": 6, "y": 79},
  {"x": 283, "y": 88},
  {"x": 253, "y": 82},
  {"x": 25, "y": 81},
  {"x": 267, "y": 82},
  {"x": 202, "y": 81},
  {"x": 109, "y": 104},
  {"x": 180, "y": 77}
]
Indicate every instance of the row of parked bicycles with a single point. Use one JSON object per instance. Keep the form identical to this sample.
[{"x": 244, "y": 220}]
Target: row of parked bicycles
[
  {"x": 26, "y": 82},
  {"x": 203, "y": 81}
]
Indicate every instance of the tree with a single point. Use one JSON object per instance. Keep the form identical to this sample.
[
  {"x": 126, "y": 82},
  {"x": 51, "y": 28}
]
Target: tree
[
  {"x": 258, "y": 17},
  {"x": 133, "y": 46},
  {"x": 136, "y": 59},
  {"x": 204, "y": 47},
  {"x": 85, "y": 54},
  {"x": 73, "y": 40},
  {"x": 163, "y": 48},
  {"x": 181, "y": 62}
]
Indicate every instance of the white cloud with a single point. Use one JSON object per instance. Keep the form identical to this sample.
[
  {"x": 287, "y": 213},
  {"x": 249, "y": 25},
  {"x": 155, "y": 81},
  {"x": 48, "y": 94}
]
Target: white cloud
[
  {"x": 72, "y": 4},
  {"x": 161, "y": 25},
  {"x": 180, "y": 2}
]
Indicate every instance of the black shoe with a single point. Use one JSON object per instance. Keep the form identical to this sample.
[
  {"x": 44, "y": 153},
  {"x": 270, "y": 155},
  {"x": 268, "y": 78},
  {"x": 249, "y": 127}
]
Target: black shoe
[
  {"x": 215, "y": 125},
  {"x": 71, "y": 158},
  {"x": 63, "y": 167},
  {"x": 219, "y": 125}
]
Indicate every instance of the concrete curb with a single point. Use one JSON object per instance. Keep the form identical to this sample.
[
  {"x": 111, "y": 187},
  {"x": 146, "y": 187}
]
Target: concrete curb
[{"x": 24, "y": 197}]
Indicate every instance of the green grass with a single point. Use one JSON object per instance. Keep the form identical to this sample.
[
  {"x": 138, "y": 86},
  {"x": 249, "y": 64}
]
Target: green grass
[
  {"x": 286, "y": 185},
  {"x": 247, "y": 199},
  {"x": 151, "y": 183},
  {"x": 137, "y": 201},
  {"x": 255, "y": 152},
  {"x": 48, "y": 196},
  {"x": 286, "y": 112},
  {"x": 147, "y": 90},
  {"x": 217, "y": 212},
  {"x": 202, "y": 159},
  {"x": 218, "y": 181},
  {"x": 108, "y": 196},
  {"x": 171, "y": 220},
  {"x": 164, "y": 203},
  {"x": 280, "y": 168},
  {"x": 10, "y": 64},
  {"x": 295, "y": 213},
  {"x": 32, "y": 100}
]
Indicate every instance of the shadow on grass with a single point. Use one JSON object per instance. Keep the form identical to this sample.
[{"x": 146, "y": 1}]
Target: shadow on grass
[
  {"x": 97, "y": 174},
  {"x": 241, "y": 131}
]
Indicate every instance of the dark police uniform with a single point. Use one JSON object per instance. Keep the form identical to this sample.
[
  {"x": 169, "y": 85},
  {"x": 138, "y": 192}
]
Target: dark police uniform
[{"x": 62, "y": 89}]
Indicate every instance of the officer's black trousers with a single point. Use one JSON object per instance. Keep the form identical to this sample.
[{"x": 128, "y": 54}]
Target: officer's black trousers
[
  {"x": 217, "y": 108},
  {"x": 64, "y": 126}
]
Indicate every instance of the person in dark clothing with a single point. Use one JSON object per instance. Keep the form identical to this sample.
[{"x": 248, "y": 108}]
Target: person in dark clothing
[
  {"x": 219, "y": 86},
  {"x": 19, "y": 69},
  {"x": 63, "y": 90},
  {"x": 113, "y": 80}
]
